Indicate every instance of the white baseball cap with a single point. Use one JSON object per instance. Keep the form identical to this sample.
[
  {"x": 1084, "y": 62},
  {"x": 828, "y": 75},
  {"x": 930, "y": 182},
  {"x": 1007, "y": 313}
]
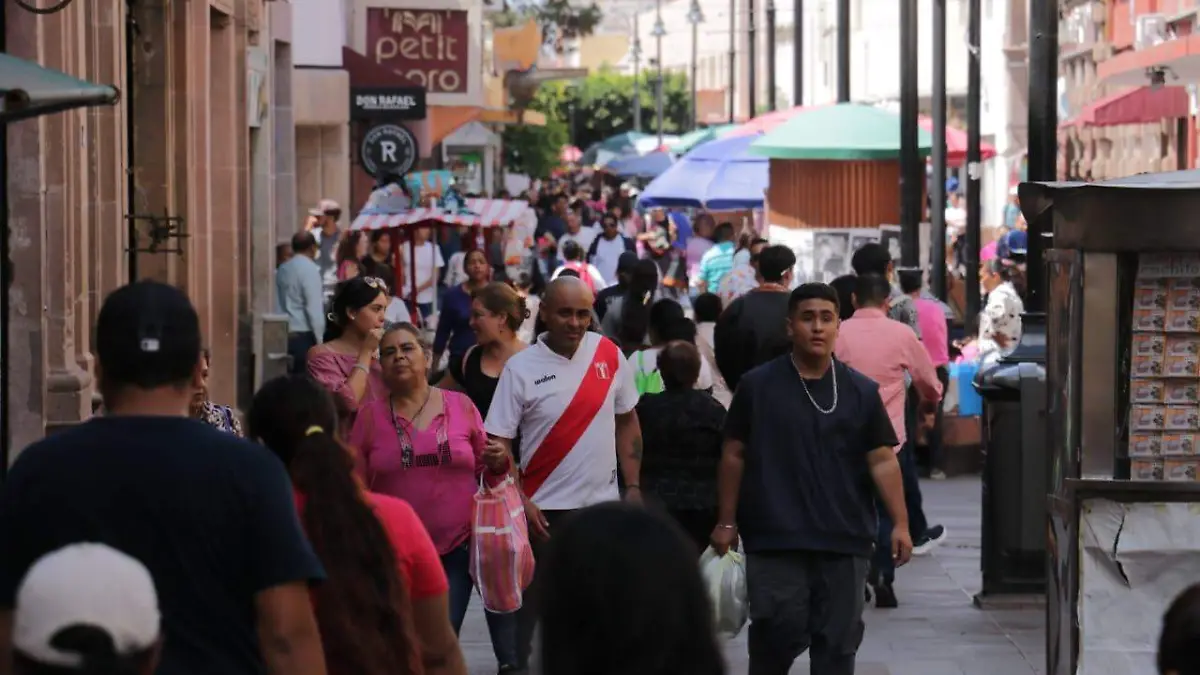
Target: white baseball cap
[{"x": 90, "y": 585}]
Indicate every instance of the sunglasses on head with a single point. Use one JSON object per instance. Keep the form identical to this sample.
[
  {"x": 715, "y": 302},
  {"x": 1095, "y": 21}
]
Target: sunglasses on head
[{"x": 376, "y": 283}]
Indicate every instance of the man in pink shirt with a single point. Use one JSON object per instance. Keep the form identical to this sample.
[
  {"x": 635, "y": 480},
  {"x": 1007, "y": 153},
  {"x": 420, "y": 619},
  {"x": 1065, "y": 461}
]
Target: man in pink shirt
[{"x": 886, "y": 350}]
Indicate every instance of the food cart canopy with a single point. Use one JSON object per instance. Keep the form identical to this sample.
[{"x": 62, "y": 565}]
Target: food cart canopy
[
  {"x": 477, "y": 213},
  {"x": 29, "y": 90},
  {"x": 843, "y": 132},
  {"x": 1143, "y": 213}
]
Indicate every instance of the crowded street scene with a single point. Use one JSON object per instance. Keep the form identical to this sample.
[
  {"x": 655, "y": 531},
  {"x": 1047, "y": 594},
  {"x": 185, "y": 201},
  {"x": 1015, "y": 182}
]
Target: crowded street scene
[{"x": 635, "y": 337}]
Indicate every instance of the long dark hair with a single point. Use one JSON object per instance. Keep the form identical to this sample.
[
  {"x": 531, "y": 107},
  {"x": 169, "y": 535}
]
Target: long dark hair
[
  {"x": 1180, "y": 634},
  {"x": 635, "y": 307},
  {"x": 363, "y": 608},
  {"x": 352, "y": 294},
  {"x": 643, "y": 592}
]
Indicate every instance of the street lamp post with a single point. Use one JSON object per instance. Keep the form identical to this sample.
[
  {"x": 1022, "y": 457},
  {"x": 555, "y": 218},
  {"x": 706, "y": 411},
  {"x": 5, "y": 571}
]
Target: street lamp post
[
  {"x": 732, "y": 60},
  {"x": 695, "y": 17},
  {"x": 658, "y": 32},
  {"x": 771, "y": 54},
  {"x": 636, "y": 52},
  {"x": 752, "y": 31},
  {"x": 798, "y": 52}
]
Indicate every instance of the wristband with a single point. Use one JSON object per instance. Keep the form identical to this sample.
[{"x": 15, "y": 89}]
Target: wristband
[
  {"x": 633, "y": 487},
  {"x": 359, "y": 366},
  {"x": 726, "y": 527}
]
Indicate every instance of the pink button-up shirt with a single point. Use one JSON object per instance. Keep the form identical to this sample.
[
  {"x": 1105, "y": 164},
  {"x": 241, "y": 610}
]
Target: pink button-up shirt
[
  {"x": 883, "y": 349},
  {"x": 934, "y": 331}
]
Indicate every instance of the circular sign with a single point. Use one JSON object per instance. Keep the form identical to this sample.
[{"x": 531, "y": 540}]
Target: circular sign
[{"x": 388, "y": 148}]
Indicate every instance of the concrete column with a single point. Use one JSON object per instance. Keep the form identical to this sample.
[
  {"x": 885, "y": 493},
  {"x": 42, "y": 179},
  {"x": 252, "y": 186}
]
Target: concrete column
[
  {"x": 226, "y": 222},
  {"x": 106, "y": 133},
  {"x": 68, "y": 398},
  {"x": 27, "y": 319},
  {"x": 288, "y": 219}
]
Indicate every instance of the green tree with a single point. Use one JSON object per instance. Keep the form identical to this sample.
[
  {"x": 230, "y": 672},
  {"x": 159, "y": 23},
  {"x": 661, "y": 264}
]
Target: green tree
[
  {"x": 534, "y": 150},
  {"x": 601, "y": 105}
]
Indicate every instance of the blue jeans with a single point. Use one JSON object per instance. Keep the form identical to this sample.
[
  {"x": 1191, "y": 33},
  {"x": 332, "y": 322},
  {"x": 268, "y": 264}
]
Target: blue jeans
[
  {"x": 425, "y": 308},
  {"x": 885, "y": 567},
  {"x": 501, "y": 627}
]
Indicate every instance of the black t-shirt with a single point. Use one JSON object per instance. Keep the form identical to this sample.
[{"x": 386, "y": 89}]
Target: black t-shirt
[
  {"x": 213, "y": 518},
  {"x": 751, "y": 331},
  {"x": 605, "y": 297},
  {"x": 807, "y": 485}
]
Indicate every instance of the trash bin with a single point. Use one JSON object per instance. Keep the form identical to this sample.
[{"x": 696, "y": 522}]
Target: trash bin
[{"x": 1013, "y": 541}]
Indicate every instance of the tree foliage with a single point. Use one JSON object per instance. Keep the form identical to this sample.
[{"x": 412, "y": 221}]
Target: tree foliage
[
  {"x": 560, "y": 19},
  {"x": 590, "y": 110}
]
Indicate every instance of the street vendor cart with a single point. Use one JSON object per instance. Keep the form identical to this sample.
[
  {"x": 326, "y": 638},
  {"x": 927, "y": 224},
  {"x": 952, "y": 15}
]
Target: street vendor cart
[
  {"x": 1123, "y": 370},
  {"x": 486, "y": 220}
]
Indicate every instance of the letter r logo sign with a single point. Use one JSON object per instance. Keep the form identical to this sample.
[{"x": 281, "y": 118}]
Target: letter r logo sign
[{"x": 388, "y": 151}]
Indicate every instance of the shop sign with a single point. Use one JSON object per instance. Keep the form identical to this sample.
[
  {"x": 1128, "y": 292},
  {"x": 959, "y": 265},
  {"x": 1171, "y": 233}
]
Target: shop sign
[
  {"x": 388, "y": 148},
  {"x": 396, "y": 103},
  {"x": 425, "y": 47}
]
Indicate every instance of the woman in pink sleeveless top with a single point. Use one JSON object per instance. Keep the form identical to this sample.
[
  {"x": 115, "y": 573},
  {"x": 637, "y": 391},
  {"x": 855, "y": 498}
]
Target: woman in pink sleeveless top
[{"x": 427, "y": 446}]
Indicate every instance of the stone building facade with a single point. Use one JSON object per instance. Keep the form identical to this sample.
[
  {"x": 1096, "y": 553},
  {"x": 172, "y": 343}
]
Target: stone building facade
[{"x": 200, "y": 148}]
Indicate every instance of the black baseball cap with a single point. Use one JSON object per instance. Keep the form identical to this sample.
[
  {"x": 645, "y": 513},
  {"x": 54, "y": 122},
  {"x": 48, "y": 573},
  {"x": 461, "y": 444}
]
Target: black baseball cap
[
  {"x": 627, "y": 262},
  {"x": 147, "y": 336}
]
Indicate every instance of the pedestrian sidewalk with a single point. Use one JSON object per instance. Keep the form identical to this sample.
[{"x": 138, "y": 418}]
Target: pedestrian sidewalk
[{"x": 935, "y": 631}]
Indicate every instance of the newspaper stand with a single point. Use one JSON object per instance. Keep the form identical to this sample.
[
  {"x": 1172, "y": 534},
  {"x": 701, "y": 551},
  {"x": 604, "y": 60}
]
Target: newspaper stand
[{"x": 1123, "y": 370}]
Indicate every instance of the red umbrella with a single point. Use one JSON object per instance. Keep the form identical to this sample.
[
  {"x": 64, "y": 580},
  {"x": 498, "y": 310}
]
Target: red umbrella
[
  {"x": 767, "y": 121},
  {"x": 956, "y": 143},
  {"x": 569, "y": 154}
]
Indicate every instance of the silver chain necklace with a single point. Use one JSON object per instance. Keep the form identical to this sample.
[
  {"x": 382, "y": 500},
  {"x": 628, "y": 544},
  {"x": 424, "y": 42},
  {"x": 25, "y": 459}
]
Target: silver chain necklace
[{"x": 833, "y": 374}]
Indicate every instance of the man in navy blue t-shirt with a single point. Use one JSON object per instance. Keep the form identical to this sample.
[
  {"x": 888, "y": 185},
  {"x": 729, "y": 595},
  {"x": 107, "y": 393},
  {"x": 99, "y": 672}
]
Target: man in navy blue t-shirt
[
  {"x": 211, "y": 516},
  {"x": 808, "y": 444}
]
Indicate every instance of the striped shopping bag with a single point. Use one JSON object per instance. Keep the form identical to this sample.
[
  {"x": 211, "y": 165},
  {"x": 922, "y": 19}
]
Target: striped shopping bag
[{"x": 501, "y": 557}]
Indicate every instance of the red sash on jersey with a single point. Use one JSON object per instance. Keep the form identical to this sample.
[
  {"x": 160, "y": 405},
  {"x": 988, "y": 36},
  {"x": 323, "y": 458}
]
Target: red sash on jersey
[{"x": 575, "y": 419}]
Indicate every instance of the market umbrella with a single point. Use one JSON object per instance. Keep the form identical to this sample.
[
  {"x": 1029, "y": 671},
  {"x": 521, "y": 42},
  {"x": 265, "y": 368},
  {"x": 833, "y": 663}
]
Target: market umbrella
[
  {"x": 718, "y": 175},
  {"x": 630, "y": 142},
  {"x": 640, "y": 166},
  {"x": 768, "y": 122},
  {"x": 694, "y": 139},
  {"x": 28, "y": 90},
  {"x": 846, "y": 131},
  {"x": 956, "y": 143}
]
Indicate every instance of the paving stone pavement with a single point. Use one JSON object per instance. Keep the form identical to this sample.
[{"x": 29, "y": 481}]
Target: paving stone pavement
[{"x": 935, "y": 631}]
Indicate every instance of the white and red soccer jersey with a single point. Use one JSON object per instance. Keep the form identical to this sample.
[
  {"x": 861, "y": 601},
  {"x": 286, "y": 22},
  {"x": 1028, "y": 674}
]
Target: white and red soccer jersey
[{"x": 565, "y": 411}]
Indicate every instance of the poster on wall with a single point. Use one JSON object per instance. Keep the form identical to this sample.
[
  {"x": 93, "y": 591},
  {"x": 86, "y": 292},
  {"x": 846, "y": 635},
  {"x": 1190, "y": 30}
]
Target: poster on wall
[
  {"x": 801, "y": 243},
  {"x": 890, "y": 236},
  {"x": 862, "y": 237},
  {"x": 831, "y": 254}
]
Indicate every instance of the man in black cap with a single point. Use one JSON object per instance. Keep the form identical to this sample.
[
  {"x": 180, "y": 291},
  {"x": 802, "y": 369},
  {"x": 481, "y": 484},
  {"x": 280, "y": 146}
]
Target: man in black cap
[
  {"x": 211, "y": 516},
  {"x": 604, "y": 298}
]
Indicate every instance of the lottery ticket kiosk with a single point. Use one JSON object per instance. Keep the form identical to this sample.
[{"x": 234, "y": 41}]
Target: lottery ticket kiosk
[{"x": 1123, "y": 370}]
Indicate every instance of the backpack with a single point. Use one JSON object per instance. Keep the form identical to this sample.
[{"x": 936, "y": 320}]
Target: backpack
[
  {"x": 647, "y": 383},
  {"x": 584, "y": 274}
]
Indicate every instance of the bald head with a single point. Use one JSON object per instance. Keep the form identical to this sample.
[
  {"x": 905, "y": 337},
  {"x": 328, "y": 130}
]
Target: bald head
[{"x": 567, "y": 289}]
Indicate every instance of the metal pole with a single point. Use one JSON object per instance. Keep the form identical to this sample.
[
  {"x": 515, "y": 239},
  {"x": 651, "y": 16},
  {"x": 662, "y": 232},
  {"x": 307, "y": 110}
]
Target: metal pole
[
  {"x": 974, "y": 170},
  {"x": 752, "y": 50},
  {"x": 695, "y": 35},
  {"x": 912, "y": 169},
  {"x": 1043, "y": 133},
  {"x": 843, "y": 48},
  {"x": 658, "y": 88},
  {"x": 798, "y": 52},
  {"x": 771, "y": 54},
  {"x": 937, "y": 189},
  {"x": 732, "y": 61},
  {"x": 637, "y": 75}
]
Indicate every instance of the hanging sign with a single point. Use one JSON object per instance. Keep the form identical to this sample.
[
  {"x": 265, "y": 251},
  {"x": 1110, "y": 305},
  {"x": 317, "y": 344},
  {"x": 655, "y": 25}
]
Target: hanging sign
[
  {"x": 393, "y": 103},
  {"x": 388, "y": 148}
]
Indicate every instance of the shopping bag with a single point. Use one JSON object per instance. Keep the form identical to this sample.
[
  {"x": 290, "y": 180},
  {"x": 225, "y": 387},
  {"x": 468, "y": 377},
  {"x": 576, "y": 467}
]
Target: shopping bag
[
  {"x": 501, "y": 557},
  {"x": 725, "y": 579}
]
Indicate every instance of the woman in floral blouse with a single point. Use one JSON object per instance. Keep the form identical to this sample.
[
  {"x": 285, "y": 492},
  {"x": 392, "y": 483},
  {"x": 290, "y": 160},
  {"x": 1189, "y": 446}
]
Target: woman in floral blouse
[
  {"x": 223, "y": 417},
  {"x": 1000, "y": 320}
]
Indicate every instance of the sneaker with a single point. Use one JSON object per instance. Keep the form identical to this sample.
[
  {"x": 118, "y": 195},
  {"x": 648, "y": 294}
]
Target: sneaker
[
  {"x": 867, "y": 593},
  {"x": 937, "y": 474},
  {"x": 934, "y": 536},
  {"x": 885, "y": 597}
]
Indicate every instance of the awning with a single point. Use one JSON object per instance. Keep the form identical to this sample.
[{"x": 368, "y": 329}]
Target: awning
[
  {"x": 29, "y": 90},
  {"x": 1142, "y": 105},
  {"x": 1180, "y": 59},
  {"x": 479, "y": 212},
  {"x": 531, "y": 118}
]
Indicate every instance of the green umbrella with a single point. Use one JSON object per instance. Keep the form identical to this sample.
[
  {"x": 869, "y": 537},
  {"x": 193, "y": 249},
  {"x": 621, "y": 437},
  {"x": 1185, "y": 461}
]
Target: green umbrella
[
  {"x": 622, "y": 144},
  {"x": 29, "y": 90},
  {"x": 694, "y": 139},
  {"x": 846, "y": 131}
]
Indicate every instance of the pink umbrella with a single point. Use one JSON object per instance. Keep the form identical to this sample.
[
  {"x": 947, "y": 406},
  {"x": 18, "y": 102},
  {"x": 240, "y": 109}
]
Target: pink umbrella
[
  {"x": 569, "y": 154},
  {"x": 956, "y": 143},
  {"x": 767, "y": 121}
]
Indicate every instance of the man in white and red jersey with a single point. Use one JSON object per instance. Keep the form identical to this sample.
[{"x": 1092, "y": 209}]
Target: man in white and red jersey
[{"x": 570, "y": 398}]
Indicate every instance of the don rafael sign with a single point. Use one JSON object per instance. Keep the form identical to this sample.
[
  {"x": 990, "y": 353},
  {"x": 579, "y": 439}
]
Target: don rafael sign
[{"x": 392, "y": 103}]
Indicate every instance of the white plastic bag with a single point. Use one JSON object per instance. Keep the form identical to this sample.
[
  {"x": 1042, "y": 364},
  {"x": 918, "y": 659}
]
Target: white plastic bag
[{"x": 725, "y": 579}]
